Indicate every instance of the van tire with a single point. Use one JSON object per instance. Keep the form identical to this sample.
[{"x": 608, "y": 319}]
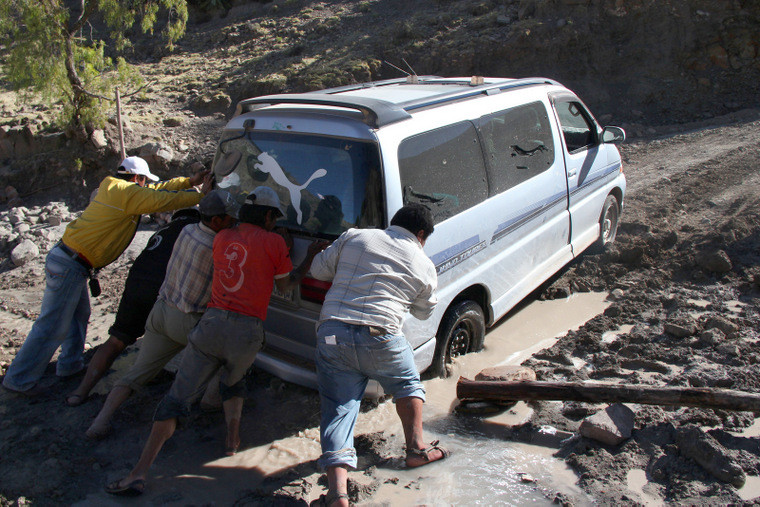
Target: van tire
[
  {"x": 609, "y": 221},
  {"x": 462, "y": 330}
]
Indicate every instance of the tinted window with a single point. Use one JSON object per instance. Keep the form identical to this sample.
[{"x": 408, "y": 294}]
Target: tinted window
[
  {"x": 518, "y": 144},
  {"x": 576, "y": 127},
  {"x": 327, "y": 184},
  {"x": 444, "y": 170}
]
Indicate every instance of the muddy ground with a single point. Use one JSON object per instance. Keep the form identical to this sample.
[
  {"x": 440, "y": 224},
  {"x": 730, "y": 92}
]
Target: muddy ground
[{"x": 683, "y": 277}]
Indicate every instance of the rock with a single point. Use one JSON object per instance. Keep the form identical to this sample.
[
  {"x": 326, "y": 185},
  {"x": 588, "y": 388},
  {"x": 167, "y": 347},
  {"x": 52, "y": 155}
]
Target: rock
[
  {"x": 728, "y": 349},
  {"x": 711, "y": 336},
  {"x": 15, "y": 218},
  {"x": 11, "y": 193},
  {"x": 212, "y": 102},
  {"x": 610, "y": 426},
  {"x": 22, "y": 227},
  {"x": 681, "y": 328},
  {"x": 98, "y": 139},
  {"x": 616, "y": 294},
  {"x": 525, "y": 477},
  {"x": 728, "y": 328},
  {"x": 174, "y": 121},
  {"x": 506, "y": 373},
  {"x": 24, "y": 252},
  {"x": 54, "y": 220},
  {"x": 713, "y": 457},
  {"x": 717, "y": 261},
  {"x": 580, "y": 285},
  {"x": 157, "y": 152}
]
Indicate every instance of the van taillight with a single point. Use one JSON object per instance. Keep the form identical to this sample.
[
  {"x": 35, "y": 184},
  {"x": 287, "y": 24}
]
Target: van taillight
[{"x": 314, "y": 290}]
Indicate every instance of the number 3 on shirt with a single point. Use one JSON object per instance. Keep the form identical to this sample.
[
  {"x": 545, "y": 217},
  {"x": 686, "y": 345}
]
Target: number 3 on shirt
[{"x": 232, "y": 275}]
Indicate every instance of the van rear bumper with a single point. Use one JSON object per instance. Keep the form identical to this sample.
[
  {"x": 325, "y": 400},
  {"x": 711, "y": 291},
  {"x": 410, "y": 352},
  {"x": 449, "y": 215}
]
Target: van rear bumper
[{"x": 302, "y": 372}]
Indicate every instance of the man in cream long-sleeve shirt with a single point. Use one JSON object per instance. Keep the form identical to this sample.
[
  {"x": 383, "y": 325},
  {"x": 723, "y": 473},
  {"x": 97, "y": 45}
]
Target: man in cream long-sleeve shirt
[
  {"x": 377, "y": 277},
  {"x": 95, "y": 239}
]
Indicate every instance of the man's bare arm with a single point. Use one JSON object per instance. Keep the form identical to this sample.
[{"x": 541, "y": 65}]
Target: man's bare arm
[{"x": 286, "y": 283}]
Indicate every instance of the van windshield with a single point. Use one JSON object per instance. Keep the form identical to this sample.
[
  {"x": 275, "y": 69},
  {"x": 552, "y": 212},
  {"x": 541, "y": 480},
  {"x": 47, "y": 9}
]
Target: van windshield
[{"x": 326, "y": 184}]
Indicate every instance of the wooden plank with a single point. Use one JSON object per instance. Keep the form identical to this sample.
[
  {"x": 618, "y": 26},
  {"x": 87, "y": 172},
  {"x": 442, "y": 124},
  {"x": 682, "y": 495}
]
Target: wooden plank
[{"x": 473, "y": 390}]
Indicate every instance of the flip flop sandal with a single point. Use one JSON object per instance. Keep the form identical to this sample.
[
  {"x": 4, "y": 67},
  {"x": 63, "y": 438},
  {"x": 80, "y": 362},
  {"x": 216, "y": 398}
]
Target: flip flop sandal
[
  {"x": 425, "y": 454},
  {"x": 134, "y": 488},
  {"x": 328, "y": 499}
]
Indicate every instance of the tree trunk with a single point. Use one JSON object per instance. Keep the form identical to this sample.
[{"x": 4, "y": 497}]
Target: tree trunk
[{"x": 471, "y": 390}]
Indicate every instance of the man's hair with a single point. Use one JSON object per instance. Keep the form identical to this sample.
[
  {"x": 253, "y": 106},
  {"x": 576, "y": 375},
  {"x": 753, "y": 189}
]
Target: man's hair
[
  {"x": 414, "y": 217},
  {"x": 125, "y": 177},
  {"x": 255, "y": 214}
]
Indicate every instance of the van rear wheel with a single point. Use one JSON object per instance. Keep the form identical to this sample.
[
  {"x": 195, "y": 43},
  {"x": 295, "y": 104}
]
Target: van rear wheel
[
  {"x": 608, "y": 223},
  {"x": 462, "y": 330}
]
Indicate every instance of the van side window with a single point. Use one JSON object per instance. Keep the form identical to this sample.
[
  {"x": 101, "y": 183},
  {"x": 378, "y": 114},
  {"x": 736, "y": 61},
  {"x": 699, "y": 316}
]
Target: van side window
[
  {"x": 444, "y": 170},
  {"x": 518, "y": 145},
  {"x": 576, "y": 127}
]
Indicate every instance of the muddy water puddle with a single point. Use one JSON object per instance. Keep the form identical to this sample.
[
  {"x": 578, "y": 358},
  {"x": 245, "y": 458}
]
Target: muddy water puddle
[{"x": 485, "y": 468}]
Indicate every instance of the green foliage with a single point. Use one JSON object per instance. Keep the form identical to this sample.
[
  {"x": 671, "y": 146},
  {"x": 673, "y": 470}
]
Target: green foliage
[{"x": 57, "y": 55}]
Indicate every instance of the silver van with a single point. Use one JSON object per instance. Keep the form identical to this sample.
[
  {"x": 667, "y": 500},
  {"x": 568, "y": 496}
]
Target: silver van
[{"x": 518, "y": 174}]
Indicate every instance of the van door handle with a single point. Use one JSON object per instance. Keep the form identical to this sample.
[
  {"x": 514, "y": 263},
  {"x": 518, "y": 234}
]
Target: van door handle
[{"x": 572, "y": 173}]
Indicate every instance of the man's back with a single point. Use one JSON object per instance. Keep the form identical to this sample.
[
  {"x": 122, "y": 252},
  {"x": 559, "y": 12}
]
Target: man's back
[
  {"x": 377, "y": 276},
  {"x": 150, "y": 265},
  {"x": 187, "y": 285},
  {"x": 107, "y": 225},
  {"x": 247, "y": 259}
]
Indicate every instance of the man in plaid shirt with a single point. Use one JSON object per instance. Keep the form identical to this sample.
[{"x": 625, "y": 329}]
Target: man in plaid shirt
[{"x": 377, "y": 277}]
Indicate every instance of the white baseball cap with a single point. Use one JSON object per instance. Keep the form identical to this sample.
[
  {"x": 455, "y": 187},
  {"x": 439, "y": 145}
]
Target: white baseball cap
[
  {"x": 136, "y": 165},
  {"x": 265, "y": 196}
]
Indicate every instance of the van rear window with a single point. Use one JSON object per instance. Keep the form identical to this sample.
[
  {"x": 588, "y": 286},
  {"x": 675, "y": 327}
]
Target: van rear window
[
  {"x": 327, "y": 184},
  {"x": 444, "y": 170}
]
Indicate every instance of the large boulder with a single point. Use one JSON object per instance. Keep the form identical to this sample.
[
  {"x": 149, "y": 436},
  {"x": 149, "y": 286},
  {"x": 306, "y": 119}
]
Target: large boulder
[
  {"x": 610, "y": 426},
  {"x": 506, "y": 373},
  {"x": 24, "y": 252}
]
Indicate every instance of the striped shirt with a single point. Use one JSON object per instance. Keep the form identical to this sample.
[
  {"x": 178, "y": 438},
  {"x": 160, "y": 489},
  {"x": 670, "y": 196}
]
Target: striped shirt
[
  {"x": 187, "y": 285},
  {"x": 377, "y": 276}
]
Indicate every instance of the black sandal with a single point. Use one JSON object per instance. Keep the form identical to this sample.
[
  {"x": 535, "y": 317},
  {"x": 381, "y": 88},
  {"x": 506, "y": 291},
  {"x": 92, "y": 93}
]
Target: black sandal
[
  {"x": 425, "y": 453},
  {"x": 328, "y": 499}
]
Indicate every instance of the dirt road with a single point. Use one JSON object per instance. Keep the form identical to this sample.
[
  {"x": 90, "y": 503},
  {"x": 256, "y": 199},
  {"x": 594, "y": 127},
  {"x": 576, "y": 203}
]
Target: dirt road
[{"x": 684, "y": 278}]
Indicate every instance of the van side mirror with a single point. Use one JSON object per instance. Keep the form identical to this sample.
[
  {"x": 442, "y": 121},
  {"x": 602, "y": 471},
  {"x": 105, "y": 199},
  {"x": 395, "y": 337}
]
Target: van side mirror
[{"x": 613, "y": 135}]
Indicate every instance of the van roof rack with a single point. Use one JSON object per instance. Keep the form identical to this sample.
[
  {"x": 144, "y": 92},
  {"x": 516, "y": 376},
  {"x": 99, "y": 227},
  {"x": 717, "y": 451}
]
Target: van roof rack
[{"x": 377, "y": 112}]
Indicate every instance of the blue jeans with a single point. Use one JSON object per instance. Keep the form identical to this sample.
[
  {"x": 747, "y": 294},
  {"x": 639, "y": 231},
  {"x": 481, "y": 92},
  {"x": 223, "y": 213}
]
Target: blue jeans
[
  {"x": 62, "y": 322},
  {"x": 347, "y": 357}
]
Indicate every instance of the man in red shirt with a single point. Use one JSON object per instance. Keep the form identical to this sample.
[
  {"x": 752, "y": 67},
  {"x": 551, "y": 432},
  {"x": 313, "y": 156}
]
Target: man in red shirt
[{"x": 248, "y": 260}]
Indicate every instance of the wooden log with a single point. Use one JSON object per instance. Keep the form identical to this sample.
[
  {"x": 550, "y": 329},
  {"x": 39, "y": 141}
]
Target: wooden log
[{"x": 705, "y": 397}]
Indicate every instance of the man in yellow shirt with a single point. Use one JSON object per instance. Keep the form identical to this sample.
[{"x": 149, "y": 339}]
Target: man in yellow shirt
[{"x": 95, "y": 239}]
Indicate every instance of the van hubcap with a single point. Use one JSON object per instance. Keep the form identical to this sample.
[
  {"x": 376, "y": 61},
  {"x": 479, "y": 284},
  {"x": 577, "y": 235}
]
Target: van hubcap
[{"x": 460, "y": 342}]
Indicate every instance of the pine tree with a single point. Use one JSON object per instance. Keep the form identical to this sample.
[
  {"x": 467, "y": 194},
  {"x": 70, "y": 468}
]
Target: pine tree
[{"x": 53, "y": 50}]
